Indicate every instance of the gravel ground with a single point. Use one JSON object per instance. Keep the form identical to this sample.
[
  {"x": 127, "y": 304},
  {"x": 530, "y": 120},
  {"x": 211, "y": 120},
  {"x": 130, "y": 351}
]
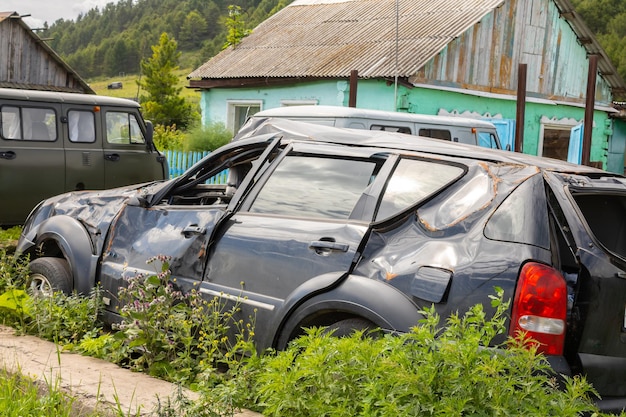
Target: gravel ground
[{"x": 96, "y": 384}]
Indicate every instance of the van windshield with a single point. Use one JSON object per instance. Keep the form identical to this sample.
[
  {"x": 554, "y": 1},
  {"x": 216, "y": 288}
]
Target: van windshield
[{"x": 488, "y": 140}]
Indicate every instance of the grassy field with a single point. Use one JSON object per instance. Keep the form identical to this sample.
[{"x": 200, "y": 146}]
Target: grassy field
[{"x": 131, "y": 90}]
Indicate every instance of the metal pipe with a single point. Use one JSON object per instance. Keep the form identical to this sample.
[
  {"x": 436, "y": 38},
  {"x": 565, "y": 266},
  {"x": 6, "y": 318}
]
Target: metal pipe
[
  {"x": 521, "y": 107},
  {"x": 354, "y": 78},
  {"x": 589, "y": 107}
]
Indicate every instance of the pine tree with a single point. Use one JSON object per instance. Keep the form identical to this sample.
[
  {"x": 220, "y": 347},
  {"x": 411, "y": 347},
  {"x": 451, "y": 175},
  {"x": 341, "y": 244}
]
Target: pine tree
[{"x": 163, "y": 103}]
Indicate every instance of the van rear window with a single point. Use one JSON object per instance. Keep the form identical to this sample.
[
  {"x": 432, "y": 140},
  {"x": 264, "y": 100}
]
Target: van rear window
[{"x": 28, "y": 123}]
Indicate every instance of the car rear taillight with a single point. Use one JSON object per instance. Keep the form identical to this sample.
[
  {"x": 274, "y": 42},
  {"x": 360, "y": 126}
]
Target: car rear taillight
[{"x": 540, "y": 307}]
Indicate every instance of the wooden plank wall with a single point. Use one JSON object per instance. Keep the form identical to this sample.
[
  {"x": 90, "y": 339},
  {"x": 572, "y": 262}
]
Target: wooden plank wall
[
  {"x": 487, "y": 55},
  {"x": 25, "y": 62}
]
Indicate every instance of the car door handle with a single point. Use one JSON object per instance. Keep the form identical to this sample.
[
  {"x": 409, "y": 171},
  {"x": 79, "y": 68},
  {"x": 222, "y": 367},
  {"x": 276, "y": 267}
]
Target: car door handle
[
  {"x": 8, "y": 155},
  {"x": 328, "y": 245},
  {"x": 193, "y": 229},
  {"x": 112, "y": 157}
]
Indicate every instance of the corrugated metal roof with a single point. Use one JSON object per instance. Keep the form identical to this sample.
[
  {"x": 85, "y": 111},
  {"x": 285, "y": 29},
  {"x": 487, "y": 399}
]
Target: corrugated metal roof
[
  {"x": 5, "y": 15},
  {"x": 330, "y": 38}
]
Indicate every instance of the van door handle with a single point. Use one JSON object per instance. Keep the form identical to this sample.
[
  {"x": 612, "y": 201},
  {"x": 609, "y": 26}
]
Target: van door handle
[
  {"x": 8, "y": 155},
  {"x": 112, "y": 157}
]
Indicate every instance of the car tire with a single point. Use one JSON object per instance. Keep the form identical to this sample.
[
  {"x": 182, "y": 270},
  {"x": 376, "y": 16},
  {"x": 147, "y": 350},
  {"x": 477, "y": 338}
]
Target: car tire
[
  {"x": 346, "y": 327},
  {"x": 49, "y": 275}
]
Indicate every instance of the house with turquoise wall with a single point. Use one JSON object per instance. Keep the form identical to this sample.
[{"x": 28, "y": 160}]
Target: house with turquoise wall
[{"x": 435, "y": 57}]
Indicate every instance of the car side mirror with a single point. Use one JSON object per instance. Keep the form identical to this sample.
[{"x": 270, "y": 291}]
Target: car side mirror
[{"x": 149, "y": 133}]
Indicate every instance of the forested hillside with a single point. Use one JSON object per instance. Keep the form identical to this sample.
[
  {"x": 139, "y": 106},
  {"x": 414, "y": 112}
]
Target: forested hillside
[{"x": 115, "y": 39}]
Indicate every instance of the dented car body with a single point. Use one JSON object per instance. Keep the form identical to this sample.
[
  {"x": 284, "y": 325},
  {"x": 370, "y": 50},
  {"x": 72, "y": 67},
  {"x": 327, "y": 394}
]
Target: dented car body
[{"x": 320, "y": 226}]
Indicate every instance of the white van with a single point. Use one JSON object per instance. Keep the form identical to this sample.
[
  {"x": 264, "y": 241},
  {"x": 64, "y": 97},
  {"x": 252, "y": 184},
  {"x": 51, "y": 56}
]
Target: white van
[{"x": 451, "y": 128}]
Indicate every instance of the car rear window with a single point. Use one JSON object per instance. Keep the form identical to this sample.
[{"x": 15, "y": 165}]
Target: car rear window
[
  {"x": 413, "y": 181},
  {"x": 606, "y": 216},
  {"x": 522, "y": 217}
]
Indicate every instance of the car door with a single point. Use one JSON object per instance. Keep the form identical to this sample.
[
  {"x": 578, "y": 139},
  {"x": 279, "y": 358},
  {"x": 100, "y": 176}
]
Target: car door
[
  {"x": 297, "y": 232},
  {"x": 128, "y": 158},
  {"x": 591, "y": 220},
  {"x": 178, "y": 222},
  {"x": 32, "y": 160}
]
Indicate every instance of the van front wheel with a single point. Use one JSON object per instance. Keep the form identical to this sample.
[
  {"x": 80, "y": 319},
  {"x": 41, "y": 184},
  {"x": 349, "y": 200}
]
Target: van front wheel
[{"x": 50, "y": 275}]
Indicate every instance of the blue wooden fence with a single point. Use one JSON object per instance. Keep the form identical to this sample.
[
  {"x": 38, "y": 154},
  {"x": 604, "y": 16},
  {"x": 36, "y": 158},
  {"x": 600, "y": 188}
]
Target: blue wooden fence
[{"x": 180, "y": 162}]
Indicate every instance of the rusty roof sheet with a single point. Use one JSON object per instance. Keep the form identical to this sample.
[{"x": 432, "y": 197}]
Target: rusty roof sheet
[
  {"x": 330, "y": 38},
  {"x": 6, "y": 15}
]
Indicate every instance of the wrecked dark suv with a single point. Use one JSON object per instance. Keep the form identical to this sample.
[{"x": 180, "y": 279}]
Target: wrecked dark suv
[{"x": 323, "y": 226}]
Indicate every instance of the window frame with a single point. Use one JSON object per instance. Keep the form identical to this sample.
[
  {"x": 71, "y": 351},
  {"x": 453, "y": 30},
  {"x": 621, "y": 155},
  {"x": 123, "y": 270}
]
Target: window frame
[
  {"x": 22, "y": 138},
  {"x": 416, "y": 204},
  {"x": 130, "y": 142},
  {"x": 231, "y": 114}
]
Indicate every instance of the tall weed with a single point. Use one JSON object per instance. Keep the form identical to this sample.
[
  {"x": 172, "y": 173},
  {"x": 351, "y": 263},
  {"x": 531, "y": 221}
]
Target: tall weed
[
  {"x": 430, "y": 371},
  {"x": 173, "y": 334}
]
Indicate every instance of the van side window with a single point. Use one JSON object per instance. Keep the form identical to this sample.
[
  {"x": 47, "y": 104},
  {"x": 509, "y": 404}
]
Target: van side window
[
  {"x": 29, "y": 123},
  {"x": 82, "y": 126},
  {"x": 436, "y": 134},
  {"x": 123, "y": 128},
  {"x": 398, "y": 129}
]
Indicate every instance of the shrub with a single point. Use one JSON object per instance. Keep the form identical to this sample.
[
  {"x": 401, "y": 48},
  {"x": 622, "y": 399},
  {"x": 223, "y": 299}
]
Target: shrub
[
  {"x": 14, "y": 301},
  {"x": 66, "y": 319},
  {"x": 207, "y": 138},
  {"x": 431, "y": 371},
  {"x": 176, "y": 335},
  {"x": 168, "y": 138}
]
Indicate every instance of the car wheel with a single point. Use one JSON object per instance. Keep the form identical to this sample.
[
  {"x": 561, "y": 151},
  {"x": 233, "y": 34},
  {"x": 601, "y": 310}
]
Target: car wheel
[
  {"x": 49, "y": 275},
  {"x": 346, "y": 327}
]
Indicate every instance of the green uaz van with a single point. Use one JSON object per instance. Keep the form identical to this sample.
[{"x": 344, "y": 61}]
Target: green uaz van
[{"x": 53, "y": 142}]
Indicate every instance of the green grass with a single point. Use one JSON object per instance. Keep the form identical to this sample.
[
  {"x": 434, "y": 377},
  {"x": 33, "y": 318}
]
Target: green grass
[
  {"x": 9, "y": 237},
  {"x": 21, "y": 396},
  {"x": 131, "y": 91}
]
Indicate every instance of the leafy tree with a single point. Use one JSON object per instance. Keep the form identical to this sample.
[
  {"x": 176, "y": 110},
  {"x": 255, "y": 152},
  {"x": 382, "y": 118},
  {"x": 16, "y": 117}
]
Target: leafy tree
[
  {"x": 163, "y": 103},
  {"x": 236, "y": 26}
]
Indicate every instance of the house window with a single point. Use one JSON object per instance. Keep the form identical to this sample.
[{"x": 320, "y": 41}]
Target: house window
[
  {"x": 239, "y": 111},
  {"x": 554, "y": 137},
  {"x": 555, "y": 143}
]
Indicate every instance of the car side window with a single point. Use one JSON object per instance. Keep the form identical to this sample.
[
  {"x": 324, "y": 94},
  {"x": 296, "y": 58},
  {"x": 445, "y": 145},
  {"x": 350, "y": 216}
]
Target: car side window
[
  {"x": 82, "y": 126},
  {"x": 29, "y": 123},
  {"x": 412, "y": 181},
  {"x": 123, "y": 128},
  {"x": 315, "y": 187}
]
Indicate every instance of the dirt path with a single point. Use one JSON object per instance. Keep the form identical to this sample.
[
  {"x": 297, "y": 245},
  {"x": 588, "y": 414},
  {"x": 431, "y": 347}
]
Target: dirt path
[{"x": 95, "y": 383}]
